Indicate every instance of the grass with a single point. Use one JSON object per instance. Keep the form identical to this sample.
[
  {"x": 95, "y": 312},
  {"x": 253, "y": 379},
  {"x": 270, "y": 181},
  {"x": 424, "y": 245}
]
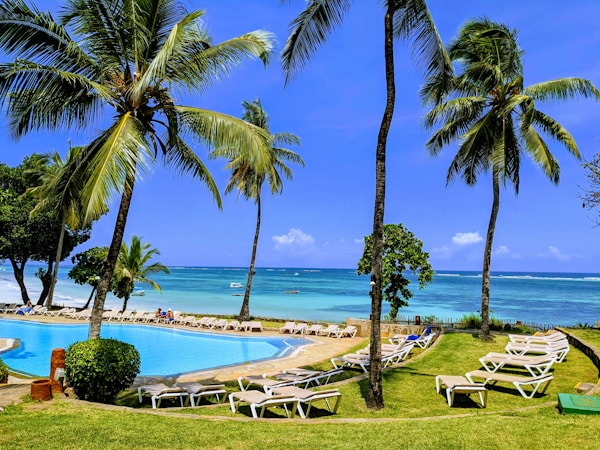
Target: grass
[{"x": 414, "y": 417}]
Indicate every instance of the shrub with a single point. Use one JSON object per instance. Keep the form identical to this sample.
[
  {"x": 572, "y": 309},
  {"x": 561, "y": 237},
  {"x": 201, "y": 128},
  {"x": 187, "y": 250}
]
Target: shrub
[
  {"x": 98, "y": 369},
  {"x": 3, "y": 372}
]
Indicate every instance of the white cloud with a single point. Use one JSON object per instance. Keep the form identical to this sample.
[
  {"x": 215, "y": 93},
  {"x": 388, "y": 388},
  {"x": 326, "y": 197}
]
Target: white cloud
[
  {"x": 555, "y": 253},
  {"x": 441, "y": 252},
  {"x": 294, "y": 239},
  {"x": 466, "y": 238},
  {"x": 502, "y": 250}
]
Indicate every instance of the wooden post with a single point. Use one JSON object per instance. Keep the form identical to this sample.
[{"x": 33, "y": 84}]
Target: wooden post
[{"x": 57, "y": 362}]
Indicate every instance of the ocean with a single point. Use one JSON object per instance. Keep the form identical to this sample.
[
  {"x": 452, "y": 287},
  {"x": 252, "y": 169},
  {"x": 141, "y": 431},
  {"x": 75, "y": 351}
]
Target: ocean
[{"x": 335, "y": 294}]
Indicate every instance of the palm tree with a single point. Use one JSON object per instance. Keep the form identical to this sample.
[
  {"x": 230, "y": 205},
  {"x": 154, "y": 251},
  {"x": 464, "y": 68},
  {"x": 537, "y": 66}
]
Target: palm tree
[
  {"x": 403, "y": 19},
  {"x": 248, "y": 178},
  {"x": 132, "y": 267},
  {"x": 49, "y": 198},
  {"x": 494, "y": 118},
  {"x": 130, "y": 57}
]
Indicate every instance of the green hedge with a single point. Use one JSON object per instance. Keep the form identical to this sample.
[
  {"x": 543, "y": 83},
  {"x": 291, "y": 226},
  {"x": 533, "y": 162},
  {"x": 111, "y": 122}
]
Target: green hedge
[
  {"x": 3, "y": 372},
  {"x": 98, "y": 369}
]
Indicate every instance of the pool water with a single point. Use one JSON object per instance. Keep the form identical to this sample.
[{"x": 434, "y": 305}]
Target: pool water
[{"x": 163, "y": 351}]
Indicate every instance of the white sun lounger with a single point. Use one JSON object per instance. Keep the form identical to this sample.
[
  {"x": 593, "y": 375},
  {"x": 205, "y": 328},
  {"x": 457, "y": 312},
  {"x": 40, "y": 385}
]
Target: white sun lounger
[
  {"x": 159, "y": 391},
  {"x": 349, "y": 331},
  {"x": 516, "y": 380},
  {"x": 307, "y": 397},
  {"x": 331, "y": 330},
  {"x": 300, "y": 328},
  {"x": 546, "y": 338},
  {"x": 262, "y": 400},
  {"x": 198, "y": 390},
  {"x": 315, "y": 329},
  {"x": 535, "y": 365},
  {"x": 560, "y": 349},
  {"x": 288, "y": 327},
  {"x": 457, "y": 384}
]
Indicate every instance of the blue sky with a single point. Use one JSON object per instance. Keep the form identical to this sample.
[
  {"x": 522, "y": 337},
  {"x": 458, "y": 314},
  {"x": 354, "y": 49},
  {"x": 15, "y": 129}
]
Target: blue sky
[{"x": 335, "y": 106}]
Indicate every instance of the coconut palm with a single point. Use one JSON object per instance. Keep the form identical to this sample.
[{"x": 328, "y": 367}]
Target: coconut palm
[
  {"x": 494, "y": 118},
  {"x": 403, "y": 19},
  {"x": 130, "y": 57},
  {"x": 132, "y": 268},
  {"x": 249, "y": 179},
  {"x": 49, "y": 198}
]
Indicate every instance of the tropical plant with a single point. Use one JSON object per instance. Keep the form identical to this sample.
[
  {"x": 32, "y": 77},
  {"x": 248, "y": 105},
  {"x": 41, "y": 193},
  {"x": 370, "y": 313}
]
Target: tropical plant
[
  {"x": 132, "y": 267},
  {"x": 87, "y": 268},
  {"x": 403, "y": 19},
  {"x": 129, "y": 57},
  {"x": 494, "y": 118},
  {"x": 24, "y": 236},
  {"x": 3, "y": 372},
  {"x": 69, "y": 210},
  {"x": 591, "y": 194},
  {"x": 249, "y": 179},
  {"x": 402, "y": 252},
  {"x": 98, "y": 369}
]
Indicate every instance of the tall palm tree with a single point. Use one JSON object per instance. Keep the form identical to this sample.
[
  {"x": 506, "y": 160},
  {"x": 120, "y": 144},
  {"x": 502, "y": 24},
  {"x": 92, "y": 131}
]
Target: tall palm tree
[
  {"x": 249, "y": 179},
  {"x": 494, "y": 118},
  {"x": 68, "y": 208},
  {"x": 132, "y": 267},
  {"x": 129, "y": 57},
  {"x": 403, "y": 19}
]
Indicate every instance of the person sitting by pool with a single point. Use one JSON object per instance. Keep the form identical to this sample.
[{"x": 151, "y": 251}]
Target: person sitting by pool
[
  {"x": 25, "y": 309},
  {"x": 170, "y": 316},
  {"x": 159, "y": 313}
]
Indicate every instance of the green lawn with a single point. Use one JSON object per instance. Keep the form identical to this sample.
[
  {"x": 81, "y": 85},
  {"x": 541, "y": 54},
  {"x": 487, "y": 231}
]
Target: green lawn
[{"x": 414, "y": 417}]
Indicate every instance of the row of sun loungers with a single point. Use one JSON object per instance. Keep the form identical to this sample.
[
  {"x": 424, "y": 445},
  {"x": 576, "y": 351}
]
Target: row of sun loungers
[
  {"x": 534, "y": 353},
  {"x": 289, "y": 392},
  {"x": 318, "y": 330},
  {"x": 390, "y": 355}
]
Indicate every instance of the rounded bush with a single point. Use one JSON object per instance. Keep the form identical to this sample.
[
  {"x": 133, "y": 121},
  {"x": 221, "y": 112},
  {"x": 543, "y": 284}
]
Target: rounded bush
[
  {"x": 98, "y": 369},
  {"x": 3, "y": 372}
]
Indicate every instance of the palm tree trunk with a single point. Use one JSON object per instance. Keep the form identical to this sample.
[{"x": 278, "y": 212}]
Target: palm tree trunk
[
  {"x": 487, "y": 261},
  {"x": 111, "y": 259},
  {"x": 87, "y": 304},
  {"x": 245, "y": 311},
  {"x": 61, "y": 238},
  {"x": 375, "y": 392},
  {"x": 125, "y": 300},
  {"x": 19, "y": 277}
]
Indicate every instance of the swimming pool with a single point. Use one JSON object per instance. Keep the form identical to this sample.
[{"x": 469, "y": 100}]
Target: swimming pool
[{"x": 163, "y": 351}]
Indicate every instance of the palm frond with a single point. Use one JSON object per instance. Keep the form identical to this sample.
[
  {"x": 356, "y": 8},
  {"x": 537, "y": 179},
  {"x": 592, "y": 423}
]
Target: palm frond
[
  {"x": 562, "y": 89},
  {"x": 309, "y": 31}
]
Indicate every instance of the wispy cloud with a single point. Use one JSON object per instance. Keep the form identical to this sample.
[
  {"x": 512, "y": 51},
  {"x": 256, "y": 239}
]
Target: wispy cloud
[
  {"x": 295, "y": 238},
  {"x": 502, "y": 250},
  {"x": 554, "y": 252},
  {"x": 467, "y": 238}
]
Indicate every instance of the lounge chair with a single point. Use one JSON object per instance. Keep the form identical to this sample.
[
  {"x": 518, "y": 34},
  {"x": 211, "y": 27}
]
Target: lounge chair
[
  {"x": 84, "y": 314},
  {"x": 307, "y": 397},
  {"x": 516, "y": 380},
  {"x": 288, "y": 327},
  {"x": 126, "y": 315},
  {"x": 460, "y": 385},
  {"x": 189, "y": 320},
  {"x": 545, "y": 338},
  {"x": 219, "y": 324},
  {"x": 10, "y": 308},
  {"x": 315, "y": 329},
  {"x": 139, "y": 316},
  {"x": 233, "y": 325},
  {"x": 331, "y": 330},
  {"x": 536, "y": 365},
  {"x": 112, "y": 314},
  {"x": 159, "y": 391},
  {"x": 243, "y": 326},
  {"x": 207, "y": 322},
  {"x": 61, "y": 312},
  {"x": 262, "y": 400},
  {"x": 256, "y": 326},
  {"x": 349, "y": 331},
  {"x": 198, "y": 390},
  {"x": 560, "y": 349},
  {"x": 351, "y": 360},
  {"x": 300, "y": 328}
]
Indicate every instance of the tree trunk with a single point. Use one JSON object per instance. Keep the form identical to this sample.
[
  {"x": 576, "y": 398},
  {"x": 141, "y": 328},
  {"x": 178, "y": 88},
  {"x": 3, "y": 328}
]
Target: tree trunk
[
  {"x": 18, "y": 272},
  {"x": 487, "y": 261},
  {"x": 375, "y": 393},
  {"x": 111, "y": 259},
  {"x": 245, "y": 311},
  {"x": 87, "y": 304},
  {"x": 46, "y": 280},
  {"x": 61, "y": 239},
  {"x": 125, "y": 300}
]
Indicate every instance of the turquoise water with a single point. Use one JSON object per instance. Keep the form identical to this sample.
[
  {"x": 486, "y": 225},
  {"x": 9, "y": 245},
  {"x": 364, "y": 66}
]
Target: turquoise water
[
  {"x": 163, "y": 351},
  {"x": 335, "y": 294}
]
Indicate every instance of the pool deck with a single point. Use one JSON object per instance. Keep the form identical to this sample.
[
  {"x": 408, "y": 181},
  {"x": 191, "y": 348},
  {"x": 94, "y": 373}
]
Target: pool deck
[{"x": 322, "y": 348}]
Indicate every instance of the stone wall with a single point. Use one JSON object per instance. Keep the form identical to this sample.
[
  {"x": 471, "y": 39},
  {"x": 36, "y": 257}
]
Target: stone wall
[{"x": 587, "y": 349}]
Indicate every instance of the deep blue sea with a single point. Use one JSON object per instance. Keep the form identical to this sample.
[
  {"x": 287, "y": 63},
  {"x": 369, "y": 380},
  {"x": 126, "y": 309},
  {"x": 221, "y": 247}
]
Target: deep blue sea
[{"x": 335, "y": 294}]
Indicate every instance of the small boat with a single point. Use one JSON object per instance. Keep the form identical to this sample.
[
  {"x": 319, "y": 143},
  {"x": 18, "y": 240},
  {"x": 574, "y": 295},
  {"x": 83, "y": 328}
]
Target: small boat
[
  {"x": 292, "y": 292},
  {"x": 236, "y": 285},
  {"x": 138, "y": 292}
]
